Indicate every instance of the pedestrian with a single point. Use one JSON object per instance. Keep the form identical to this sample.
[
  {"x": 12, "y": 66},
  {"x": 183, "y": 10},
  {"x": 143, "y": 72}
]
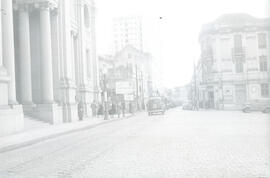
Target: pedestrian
[
  {"x": 131, "y": 111},
  {"x": 100, "y": 110},
  {"x": 118, "y": 109},
  {"x": 80, "y": 111},
  {"x": 112, "y": 110},
  {"x": 94, "y": 108},
  {"x": 123, "y": 107}
]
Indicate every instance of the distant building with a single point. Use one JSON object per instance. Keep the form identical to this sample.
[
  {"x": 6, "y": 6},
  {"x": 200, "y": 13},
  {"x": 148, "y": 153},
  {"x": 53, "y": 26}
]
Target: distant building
[
  {"x": 127, "y": 31},
  {"x": 235, "y": 61},
  {"x": 128, "y": 75}
]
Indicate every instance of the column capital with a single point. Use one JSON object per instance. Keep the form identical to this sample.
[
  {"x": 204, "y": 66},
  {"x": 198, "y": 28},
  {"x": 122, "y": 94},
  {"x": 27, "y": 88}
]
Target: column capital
[
  {"x": 46, "y": 5},
  {"x": 35, "y": 4},
  {"x": 22, "y": 7}
]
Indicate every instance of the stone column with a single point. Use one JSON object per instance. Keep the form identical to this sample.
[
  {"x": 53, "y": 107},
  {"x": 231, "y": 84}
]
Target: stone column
[
  {"x": 8, "y": 48},
  {"x": 3, "y": 72},
  {"x": 25, "y": 57},
  {"x": 46, "y": 55}
]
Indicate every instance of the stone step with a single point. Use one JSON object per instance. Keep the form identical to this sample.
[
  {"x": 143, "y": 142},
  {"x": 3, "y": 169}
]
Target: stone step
[{"x": 31, "y": 123}]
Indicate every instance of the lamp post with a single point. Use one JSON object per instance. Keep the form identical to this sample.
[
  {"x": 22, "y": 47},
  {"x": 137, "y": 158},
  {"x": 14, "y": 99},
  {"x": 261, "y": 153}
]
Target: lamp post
[
  {"x": 105, "y": 96},
  {"x": 221, "y": 89}
]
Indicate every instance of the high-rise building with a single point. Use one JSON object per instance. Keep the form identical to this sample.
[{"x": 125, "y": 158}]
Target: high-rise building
[{"x": 127, "y": 31}]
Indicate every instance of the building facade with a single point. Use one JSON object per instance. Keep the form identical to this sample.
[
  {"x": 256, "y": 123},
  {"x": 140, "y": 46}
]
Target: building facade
[
  {"x": 127, "y": 31},
  {"x": 235, "y": 61},
  {"x": 128, "y": 76},
  {"x": 47, "y": 61}
]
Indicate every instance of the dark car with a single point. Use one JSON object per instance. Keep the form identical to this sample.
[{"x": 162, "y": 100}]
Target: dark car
[
  {"x": 187, "y": 106},
  {"x": 262, "y": 105},
  {"x": 156, "y": 105}
]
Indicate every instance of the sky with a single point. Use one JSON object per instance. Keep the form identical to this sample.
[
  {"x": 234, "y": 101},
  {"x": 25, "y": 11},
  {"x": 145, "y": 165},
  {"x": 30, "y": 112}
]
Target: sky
[{"x": 172, "y": 40}]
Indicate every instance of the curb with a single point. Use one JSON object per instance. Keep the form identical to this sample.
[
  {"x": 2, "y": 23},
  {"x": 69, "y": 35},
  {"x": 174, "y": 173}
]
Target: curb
[{"x": 48, "y": 137}]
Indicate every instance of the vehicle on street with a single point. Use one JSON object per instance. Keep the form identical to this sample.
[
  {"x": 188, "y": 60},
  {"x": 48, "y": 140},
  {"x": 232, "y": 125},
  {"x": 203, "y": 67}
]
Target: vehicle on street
[
  {"x": 262, "y": 105},
  {"x": 156, "y": 105},
  {"x": 187, "y": 106}
]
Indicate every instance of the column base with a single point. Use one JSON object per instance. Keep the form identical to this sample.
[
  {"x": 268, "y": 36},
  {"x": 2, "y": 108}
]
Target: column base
[
  {"x": 3, "y": 87},
  {"x": 70, "y": 108},
  {"x": 87, "y": 97},
  {"x": 51, "y": 113},
  {"x": 70, "y": 113},
  {"x": 29, "y": 109},
  {"x": 11, "y": 120}
]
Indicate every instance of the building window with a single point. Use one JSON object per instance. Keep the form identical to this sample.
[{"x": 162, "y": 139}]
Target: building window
[
  {"x": 238, "y": 41},
  {"x": 239, "y": 68},
  {"x": 262, "y": 40},
  {"x": 86, "y": 17},
  {"x": 263, "y": 64},
  {"x": 88, "y": 63},
  {"x": 265, "y": 90}
]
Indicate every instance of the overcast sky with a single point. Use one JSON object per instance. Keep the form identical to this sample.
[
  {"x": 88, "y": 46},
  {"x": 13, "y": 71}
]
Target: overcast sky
[{"x": 175, "y": 37}]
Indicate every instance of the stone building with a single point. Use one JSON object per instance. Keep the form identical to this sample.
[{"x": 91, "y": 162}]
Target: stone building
[
  {"x": 235, "y": 61},
  {"x": 128, "y": 75},
  {"x": 47, "y": 61}
]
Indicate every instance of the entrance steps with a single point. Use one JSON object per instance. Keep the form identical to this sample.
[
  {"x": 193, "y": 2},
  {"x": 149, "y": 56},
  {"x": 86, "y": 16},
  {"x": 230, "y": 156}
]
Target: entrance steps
[{"x": 31, "y": 123}]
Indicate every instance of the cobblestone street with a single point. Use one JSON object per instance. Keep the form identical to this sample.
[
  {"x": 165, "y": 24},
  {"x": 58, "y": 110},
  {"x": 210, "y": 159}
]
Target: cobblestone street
[{"x": 212, "y": 144}]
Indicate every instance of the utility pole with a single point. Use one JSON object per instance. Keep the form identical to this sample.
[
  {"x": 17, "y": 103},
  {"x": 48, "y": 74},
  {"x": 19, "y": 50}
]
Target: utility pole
[
  {"x": 195, "y": 87},
  {"x": 105, "y": 96},
  {"x": 221, "y": 88},
  {"x": 137, "y": 89},
  {"x": 142, "y": 81}
]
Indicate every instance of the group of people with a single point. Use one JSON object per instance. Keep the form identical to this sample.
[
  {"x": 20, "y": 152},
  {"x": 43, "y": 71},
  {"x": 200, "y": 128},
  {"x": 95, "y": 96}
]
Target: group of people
[
  {"x": 98, "y": 109},
  {"x": 118, "y": 109}
]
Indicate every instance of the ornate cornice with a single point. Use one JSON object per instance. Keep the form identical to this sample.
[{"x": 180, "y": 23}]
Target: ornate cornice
[
  {"x": 42, "y": 4},
  {"x": 22, "y": 7}
]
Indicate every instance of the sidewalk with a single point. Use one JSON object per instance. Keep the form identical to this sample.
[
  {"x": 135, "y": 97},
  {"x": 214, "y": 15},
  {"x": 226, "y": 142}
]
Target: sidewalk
[{"x": 30, "y": 137}]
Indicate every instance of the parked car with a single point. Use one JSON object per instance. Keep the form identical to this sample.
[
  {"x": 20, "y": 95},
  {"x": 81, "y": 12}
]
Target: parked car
[
  {"x": 262, "y": 105},
  {"x": 156, "y": 105},
  {"x": 187, "y": 106}
]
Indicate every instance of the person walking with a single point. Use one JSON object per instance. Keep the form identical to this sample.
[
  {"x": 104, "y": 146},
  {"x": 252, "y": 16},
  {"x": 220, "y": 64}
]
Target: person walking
[
  {"x": 112, "y": 110},
  {"x": 100, "y": 110},
  {"x": 123, "y": 107},
  {"x": 80, "y": 111},
  {"x": 118, "y": 109},
  {"x": 131, "y": 111},
  {"x": 94, "y": 108}
]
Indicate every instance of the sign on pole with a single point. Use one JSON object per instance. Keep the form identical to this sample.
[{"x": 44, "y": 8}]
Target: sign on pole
[
  {"x": 129, "y": 97},
  {"x": 124, "y": 87}
]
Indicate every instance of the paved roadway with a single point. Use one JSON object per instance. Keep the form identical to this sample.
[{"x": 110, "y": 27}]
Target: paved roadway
[{"x": 184, "y": 144}]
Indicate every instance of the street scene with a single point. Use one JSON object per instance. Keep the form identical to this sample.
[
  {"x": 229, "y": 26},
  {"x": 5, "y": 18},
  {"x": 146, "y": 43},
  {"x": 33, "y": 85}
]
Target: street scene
[
  {"x": 131, "y": 89},
  {"x": 180, "y": 144}
]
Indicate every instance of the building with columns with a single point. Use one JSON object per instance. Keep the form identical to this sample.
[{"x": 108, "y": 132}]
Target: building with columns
[
  {"x": 234, "y": 67},
  {"x": 47, "y": 62}
]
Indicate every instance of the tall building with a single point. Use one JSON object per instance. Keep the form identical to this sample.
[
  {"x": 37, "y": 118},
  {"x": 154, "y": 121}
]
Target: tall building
[
  {"x": 47, "y": 61},
  {"x": 235, "y": 61},
  {"x": 127, "y": 31}
]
